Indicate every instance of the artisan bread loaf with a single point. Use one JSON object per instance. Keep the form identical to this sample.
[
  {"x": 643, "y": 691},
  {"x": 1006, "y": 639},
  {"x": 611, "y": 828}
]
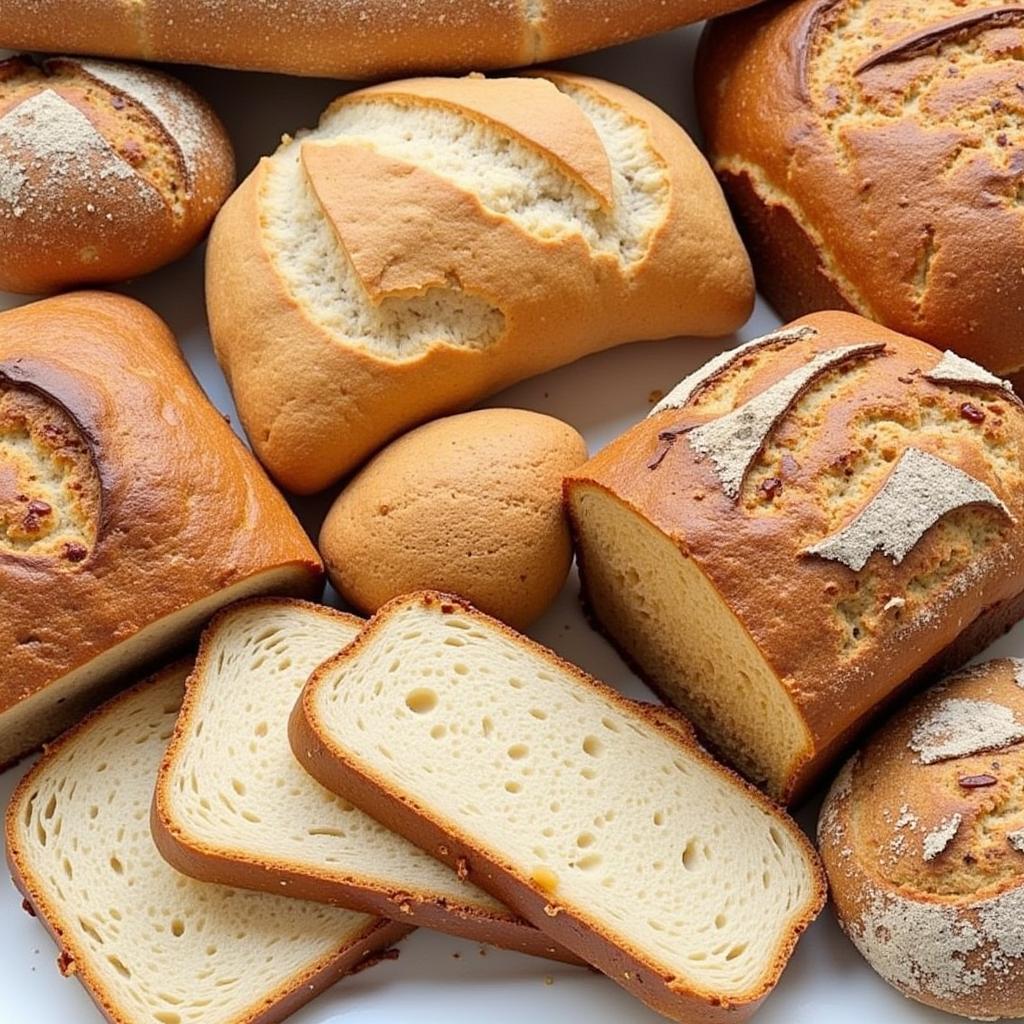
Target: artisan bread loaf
[
  {"x": 149, "y": 945},
  {"x": 871, "y": 152},
  {"x": 437, "y": 239},
  {"x": 129, "y": 511},
  {"x": 233, "y": 805},
  {"x": 107, "y": 171},
  {"x": 338, "y": 39},
  {"x": 923, "y": 839},
  {"x": 803, "y": 526},
  {"x": 471, "y": 504},
  {"x": 610, "y": 830}
]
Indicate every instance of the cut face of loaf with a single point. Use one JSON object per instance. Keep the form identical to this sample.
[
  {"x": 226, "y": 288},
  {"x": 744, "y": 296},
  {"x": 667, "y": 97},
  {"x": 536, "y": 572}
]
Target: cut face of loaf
[
  {"x": 802, "y": 527},
  {"x": 434, "y": 240},
  {"x": 612, "y": 831},
  {"x": 150, "y": 945},
  {"x": 234, "y": 806}
]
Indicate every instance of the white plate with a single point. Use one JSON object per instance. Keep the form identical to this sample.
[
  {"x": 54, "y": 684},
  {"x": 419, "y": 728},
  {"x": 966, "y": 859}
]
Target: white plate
[{"x": 437, "y": 978}]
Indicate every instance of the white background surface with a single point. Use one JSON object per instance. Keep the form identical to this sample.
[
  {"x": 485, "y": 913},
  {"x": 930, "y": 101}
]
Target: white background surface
[{"x": 438, "y": 978}]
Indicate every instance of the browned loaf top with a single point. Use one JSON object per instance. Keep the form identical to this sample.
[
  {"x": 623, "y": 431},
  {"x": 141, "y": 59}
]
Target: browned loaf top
[
  {"x": 128, "y": 509},
  {"x": 873, "y": 154},
  {"x": 923, "y": 839},
  {"x": 343, "y": 38},
  {"x": 106, "y": 171},
  {"x": 435, "y": 240},
  {"x": 801, "y": 527}
]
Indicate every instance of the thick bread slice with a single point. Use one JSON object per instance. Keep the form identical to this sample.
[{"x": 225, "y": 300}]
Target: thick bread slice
[
  {"x": 233, "y": 805},
  {"x": 595, "y": 820},
  {"x": 152, "y": 946}
]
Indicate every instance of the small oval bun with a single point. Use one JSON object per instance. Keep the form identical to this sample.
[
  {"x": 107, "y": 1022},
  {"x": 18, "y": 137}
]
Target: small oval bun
[
  {"x": 107, "y": 171},
  {"x": 922, "y": 835},
  {"x": 469, "y": 504}
]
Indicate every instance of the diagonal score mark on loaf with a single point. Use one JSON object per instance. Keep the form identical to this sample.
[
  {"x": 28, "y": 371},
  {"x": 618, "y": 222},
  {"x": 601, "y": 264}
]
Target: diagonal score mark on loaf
[{"x": 509, "y": 177}]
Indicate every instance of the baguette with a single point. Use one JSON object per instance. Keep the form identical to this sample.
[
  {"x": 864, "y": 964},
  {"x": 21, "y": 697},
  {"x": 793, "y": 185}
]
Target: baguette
[
  {"x": 149, "y": 945},
  {"x": 610, "y": 830},
  {"x": 339, "y": 39},
  {"x": 233, "y": 806}
]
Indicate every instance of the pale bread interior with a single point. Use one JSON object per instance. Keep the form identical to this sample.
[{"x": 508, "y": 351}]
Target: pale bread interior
[
  {"x": 610, "y": 817},
  {"x": 662, "y": 610},
  {"x": 510, "y": 178},
  {"x": 65, "y": 701},
  {"x": 160, "y": 947},
  {"x": 234, "y": 787}
]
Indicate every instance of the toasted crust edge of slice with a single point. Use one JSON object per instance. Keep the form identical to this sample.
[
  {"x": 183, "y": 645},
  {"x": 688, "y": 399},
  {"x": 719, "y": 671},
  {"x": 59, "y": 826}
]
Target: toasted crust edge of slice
[
  {"x": 324, "y": 760},
  {"x": 364, "y": 951},
  {"x": 209, "y": 862}
]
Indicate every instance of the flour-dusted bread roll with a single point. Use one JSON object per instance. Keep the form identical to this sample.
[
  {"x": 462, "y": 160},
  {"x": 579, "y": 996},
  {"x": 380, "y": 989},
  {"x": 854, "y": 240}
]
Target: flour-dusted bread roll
[
  {"x": 800, "y": 528},
  {"x": 923, "y": 839},
  {"x": 129, "y": 511},
  {"x": 150, "y": 945},
  {"x": 341, "y": 39},
  {"x": 107, "y": 171},
  {"x": 871, "y": 153},
  {"x": 471, "y": 504},
  {"x": 437, "y": 239}
]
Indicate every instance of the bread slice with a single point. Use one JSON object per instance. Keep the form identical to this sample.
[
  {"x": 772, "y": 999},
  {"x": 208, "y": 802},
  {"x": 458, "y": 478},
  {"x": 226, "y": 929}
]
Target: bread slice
[
  {"x": 234, "y": 806},
  {"x": 614, "y": 832},
  {"x": 152, "y": 946}
]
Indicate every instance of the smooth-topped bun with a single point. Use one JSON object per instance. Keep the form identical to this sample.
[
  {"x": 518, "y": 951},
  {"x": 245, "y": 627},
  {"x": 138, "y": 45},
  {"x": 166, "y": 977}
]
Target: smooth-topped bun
[
  {"x": 872, "y": 153},
  {"x": 107, "y": 171},
  {"x": 471, "y": 504},
  {"x": 922, "y": 836},
  {"x": 435, "y": 240},
  {"x": 802, "y": 526},
  {"x": 129, "y": 511}
]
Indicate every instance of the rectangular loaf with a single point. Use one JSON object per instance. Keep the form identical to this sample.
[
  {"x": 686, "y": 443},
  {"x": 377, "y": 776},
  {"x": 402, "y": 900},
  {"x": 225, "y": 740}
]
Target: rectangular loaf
[
  {"x": 599, "y": 823},
  {"x": 803, "y": 527}
]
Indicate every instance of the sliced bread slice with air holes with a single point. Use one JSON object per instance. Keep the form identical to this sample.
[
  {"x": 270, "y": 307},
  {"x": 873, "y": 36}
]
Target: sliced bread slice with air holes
[
  {"x": 612, "y": 831},
  {"x": 233, "y": 805},
  {"x": 150, "y": 945}
]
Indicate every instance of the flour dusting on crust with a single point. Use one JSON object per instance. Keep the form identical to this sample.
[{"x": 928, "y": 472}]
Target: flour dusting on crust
[
  {"x": 954, "y": 369},
  {"x": 959, "y": 728},
  {"x": 684, "y": 391},
  {"x": 1016, "y": 840},
  {"x": 915, "y": 496},
  {"x": 937, "y": 840},
  {"x": 733, "y": 441}
]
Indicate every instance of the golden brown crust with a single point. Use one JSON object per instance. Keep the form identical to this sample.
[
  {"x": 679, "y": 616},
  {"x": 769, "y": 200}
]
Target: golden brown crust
[
  {"x": 888, "y": 141},
  {"x": 506, "y": 882},
  {"x": 107, "y": 171},
  {"x": 378, "y": 936},
  {"x": 366, "y": 40},
  {"x": 315, "y": 405},
  {"x": 242, "y": 870},
  {"x": 878, "y": 628},
  {"x": 184, "y": 512},
  {"x": 923, "y": 839}
]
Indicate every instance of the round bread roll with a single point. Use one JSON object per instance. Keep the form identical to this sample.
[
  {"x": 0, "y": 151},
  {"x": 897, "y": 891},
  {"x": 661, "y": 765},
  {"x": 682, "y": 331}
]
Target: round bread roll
[
  {"x": 469, "y": 504},
  {"x": 107, "y": 171},
  {"x": 922, "y": 836}
]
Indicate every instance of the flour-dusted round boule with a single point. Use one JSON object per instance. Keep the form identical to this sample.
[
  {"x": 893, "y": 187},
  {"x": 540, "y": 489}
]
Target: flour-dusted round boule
[
  {"x": 922, "y": 836},
  {"x": 107, "y": 171},
  {"x": 470, "y": 504}
]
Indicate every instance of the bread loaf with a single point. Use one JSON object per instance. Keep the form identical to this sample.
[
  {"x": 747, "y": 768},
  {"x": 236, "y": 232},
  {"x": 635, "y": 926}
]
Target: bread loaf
[
  {"x": 107, "y": 171},
  {"x": 233, "y": 805},
  {"x": 435, "y": 240},
  {"x": 341, "y": 39},
  {"x": 470, "y": 503},
  {"x": 129, "y": 511},
  {"x": 871, "y": 152},
  {"x": 610, "y": 830},
  {"x": 923, "y": 839},
  {"x": 152, "y": 946},
  {"x": 803, "y": 526}
]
